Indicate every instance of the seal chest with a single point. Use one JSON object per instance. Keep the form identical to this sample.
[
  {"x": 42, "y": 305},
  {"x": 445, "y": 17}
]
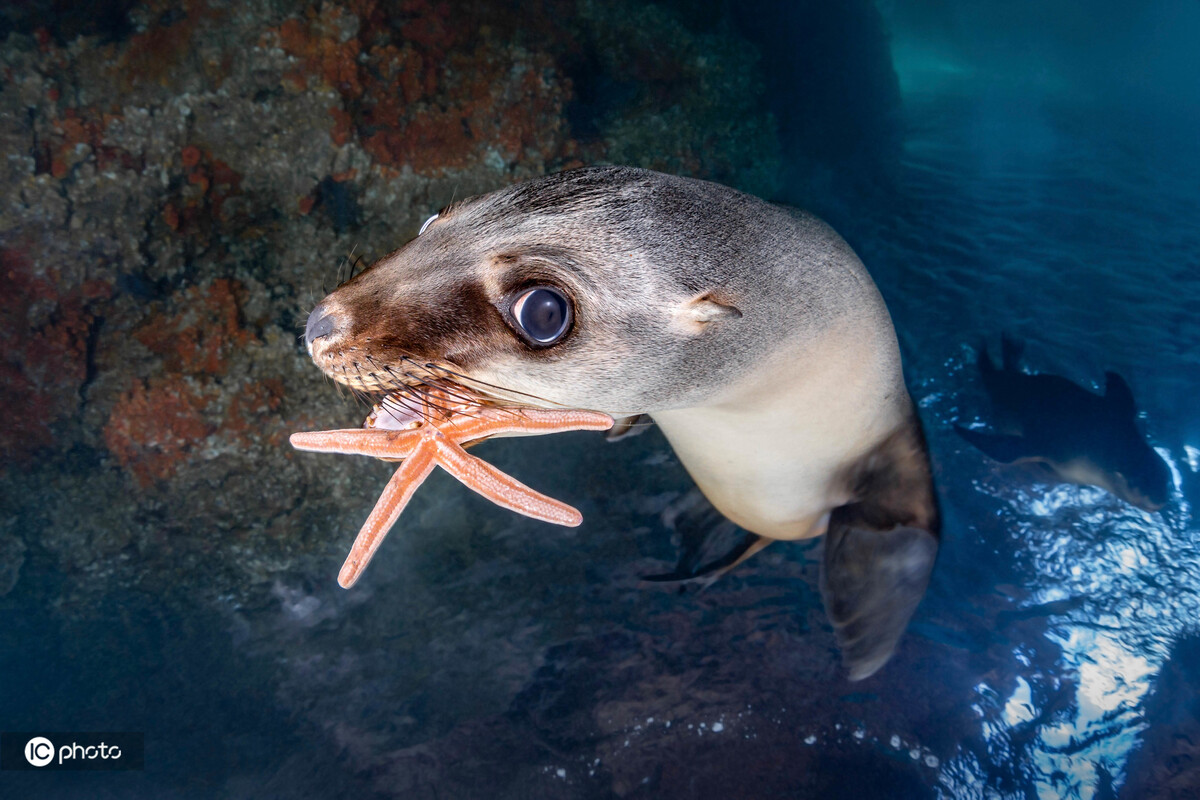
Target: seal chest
[{"x": 750, "y": 333}]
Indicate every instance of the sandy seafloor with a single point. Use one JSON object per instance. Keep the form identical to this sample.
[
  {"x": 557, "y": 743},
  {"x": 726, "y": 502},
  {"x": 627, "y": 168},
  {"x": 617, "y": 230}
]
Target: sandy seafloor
[{"x": 487, "y": 656}]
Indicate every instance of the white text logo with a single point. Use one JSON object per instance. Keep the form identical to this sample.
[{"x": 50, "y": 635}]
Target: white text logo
[{"x": 39, "y": 751}]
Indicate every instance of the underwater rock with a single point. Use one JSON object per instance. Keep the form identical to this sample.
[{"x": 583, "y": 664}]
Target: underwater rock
[{"x": 188, "y": 177}]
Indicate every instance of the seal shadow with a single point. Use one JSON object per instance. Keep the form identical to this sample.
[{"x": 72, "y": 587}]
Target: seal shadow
[{"x": 1071, "y": 434}]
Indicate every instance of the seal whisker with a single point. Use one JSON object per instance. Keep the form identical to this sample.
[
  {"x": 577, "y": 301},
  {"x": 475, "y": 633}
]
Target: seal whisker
[
  {"x": 463, "y": 394},
  {"x": 448, "y": 389},
  {"x": 425, "y": 403},
  {"x": 364, "y": 398},
  {"x": 430, "y": 405},
  {"x": 433, "y": 398},
  {"x": 348, "y": 265},
  {"x": 363, "y": 395},
  {"x": 341, "y": 385},
  {"x": 426, "y": 399},
  {"x": 457, "y": 390},
  {"x": 405, "y": 402},
  {"x": 487, "y": 388}
]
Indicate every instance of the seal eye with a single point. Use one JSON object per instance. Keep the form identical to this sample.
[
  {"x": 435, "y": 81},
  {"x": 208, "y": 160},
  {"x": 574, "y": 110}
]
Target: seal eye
[
  {"x": 427, "y": 223},
  {"x": 543, "y": 314}
]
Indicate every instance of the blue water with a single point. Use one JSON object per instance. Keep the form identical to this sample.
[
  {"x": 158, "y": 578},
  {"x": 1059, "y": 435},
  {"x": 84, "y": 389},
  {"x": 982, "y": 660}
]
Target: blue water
[
  {"x": 1076, "y": 232},
  {"x": 484, "y": 655}
]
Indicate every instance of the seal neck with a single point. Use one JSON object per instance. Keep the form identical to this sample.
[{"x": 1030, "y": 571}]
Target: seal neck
[{"x": 768, "y": 452}]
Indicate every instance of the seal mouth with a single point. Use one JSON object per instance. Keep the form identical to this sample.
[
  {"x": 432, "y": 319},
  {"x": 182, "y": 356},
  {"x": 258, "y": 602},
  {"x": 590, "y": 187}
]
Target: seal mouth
[
  {"x": 410, "y": 406},
  {"x": 360, "y": 371},
  {"x": 420, "y": 391}
]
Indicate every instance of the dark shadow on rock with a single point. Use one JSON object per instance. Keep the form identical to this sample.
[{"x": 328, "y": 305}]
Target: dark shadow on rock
[{"x": 831, "y": 87}]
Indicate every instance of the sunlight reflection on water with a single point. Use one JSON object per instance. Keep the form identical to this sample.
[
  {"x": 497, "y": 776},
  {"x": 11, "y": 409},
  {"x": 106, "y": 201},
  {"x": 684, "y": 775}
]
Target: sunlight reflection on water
[{"x": 1087, "y": 546}]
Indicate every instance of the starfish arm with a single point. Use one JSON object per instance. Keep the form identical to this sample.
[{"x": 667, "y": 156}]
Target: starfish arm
[
  {"x": 359, "y": 442},
  {"x": 526, "y": 421},
  {"x": 501, "y": 489},
  {"x": 395, "y": 497}
]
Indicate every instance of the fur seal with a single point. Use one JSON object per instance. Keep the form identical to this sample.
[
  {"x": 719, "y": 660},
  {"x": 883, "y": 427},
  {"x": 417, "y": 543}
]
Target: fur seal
[
  {"x": 749, "y": 332},
  {"x": 1080, "y": 437}
]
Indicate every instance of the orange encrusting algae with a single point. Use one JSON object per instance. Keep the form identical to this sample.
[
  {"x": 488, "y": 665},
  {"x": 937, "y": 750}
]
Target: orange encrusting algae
[{"x": 429, "y": 444}]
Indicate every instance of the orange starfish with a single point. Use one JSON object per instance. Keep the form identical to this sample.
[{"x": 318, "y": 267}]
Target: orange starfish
[{"x": 424, "y": 444}]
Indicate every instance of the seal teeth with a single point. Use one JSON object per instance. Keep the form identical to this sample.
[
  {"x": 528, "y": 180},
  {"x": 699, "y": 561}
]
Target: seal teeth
[{"x": 393, "y": 413}]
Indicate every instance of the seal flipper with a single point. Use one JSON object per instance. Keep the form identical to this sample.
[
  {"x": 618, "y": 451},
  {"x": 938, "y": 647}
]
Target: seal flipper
[
  {"x": 1005, "y": 449},
  {"x": 625, "y": 427},
  {"x": 871, "y": 583},
  {"x": 702, "y": 532},
  {"x": 714, "y": 569},
  {"x": 880, "y": 550}
]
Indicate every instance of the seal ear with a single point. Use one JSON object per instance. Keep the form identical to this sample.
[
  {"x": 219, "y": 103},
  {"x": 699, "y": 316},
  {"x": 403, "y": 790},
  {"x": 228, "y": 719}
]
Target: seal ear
[{"x": 701, "y": 311}]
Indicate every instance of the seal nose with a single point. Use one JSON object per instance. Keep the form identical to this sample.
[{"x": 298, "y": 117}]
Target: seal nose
[{"x": 320, "y": 323}]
